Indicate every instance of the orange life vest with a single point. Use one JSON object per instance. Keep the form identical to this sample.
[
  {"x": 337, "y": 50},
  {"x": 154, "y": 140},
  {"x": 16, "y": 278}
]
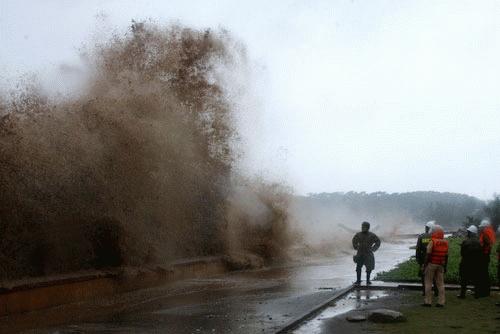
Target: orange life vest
[
  {"x": 490, "y": 234},
  {"x": 439, "y": 251}
]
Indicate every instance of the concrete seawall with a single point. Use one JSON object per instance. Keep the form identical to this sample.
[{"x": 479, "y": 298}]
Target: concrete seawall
[{"x": 36, "y": 294}]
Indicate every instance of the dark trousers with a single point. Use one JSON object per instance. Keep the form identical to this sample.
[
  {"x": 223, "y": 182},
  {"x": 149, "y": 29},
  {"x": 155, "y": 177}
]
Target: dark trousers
[
  {"x": 483, "y": 279},
  {"x": 498, "y": 272},
  {"x": 367, "y": 260},
  {"x": 468, "y": 273},
  {"x": 358, "y": 273}
]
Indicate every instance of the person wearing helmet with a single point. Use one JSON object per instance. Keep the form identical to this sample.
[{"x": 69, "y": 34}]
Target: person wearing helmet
[
  {"x": 420, "y": 252},
  {"x": 487, "y": 240},
  {"x": 498, "y": 259},
  {"x": 365, "y": 243},
  {"x": 435, "y": 264},
  {"x": 471, "y": 252}
]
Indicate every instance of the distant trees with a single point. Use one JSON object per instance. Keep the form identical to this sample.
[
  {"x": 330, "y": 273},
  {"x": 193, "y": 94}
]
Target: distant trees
[
  {"x": 492, "y": 211},
  {"x": 449, "y": 209}
]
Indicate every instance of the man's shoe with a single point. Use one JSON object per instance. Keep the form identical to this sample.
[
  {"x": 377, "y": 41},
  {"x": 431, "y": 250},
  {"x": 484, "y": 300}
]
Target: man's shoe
[
  {"x": 439, "y": 305},
  {"x": 461, "y": 296},
  {"x": 368, "y": 282},
  {"x": 357, "y": 283},
  {"x": 426, "y": 305}
]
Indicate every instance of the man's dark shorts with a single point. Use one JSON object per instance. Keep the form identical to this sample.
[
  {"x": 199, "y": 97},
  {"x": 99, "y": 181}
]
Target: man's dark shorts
[{"x": 367, "y": 260}]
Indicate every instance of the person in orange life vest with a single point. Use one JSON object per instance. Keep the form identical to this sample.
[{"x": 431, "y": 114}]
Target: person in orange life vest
[
  {"x": 435, "y": 264},
  {"x": 487, "y": 240},
  {"x": 498, "y": 259}
]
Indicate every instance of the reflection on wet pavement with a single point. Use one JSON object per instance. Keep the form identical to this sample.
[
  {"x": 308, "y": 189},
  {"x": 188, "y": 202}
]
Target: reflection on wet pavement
[{"x": 354, "y": 300}]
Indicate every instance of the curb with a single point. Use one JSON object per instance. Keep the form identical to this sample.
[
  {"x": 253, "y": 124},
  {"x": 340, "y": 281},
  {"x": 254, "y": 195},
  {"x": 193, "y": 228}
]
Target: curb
[
  {"x": 413, "y": 286},
  {"x": 292, "y": 324}
]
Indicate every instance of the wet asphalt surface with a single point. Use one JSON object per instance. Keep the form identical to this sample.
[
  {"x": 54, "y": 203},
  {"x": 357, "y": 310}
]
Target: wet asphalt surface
[{"x": 259, "y": 301}]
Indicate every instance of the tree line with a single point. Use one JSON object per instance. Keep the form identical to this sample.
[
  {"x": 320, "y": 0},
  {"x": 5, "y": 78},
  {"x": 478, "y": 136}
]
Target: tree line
[{"x": 448, "y": 209}]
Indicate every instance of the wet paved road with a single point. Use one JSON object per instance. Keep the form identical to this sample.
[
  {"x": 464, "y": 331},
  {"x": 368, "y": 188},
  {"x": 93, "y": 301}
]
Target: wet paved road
[
  {"x": 354, "y": 300},
  {"x": 243, "y": 302}
]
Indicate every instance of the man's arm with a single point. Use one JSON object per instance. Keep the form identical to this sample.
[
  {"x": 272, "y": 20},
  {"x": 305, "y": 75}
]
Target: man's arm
[
  {"x": 355, "y": 242},
  {"x": 428, "y": 254},
  {"x": 418, "y": 250},
  {"x": 376, "y": 244}
]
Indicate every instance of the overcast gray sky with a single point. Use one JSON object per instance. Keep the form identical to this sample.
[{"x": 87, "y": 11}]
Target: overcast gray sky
[{"x": 351, "y": 95}]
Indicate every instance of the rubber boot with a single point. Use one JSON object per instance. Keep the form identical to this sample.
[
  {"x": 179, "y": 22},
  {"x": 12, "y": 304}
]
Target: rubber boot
[
  {"x": 358, "y": 275},
  {"x": 368, "y": 282}
]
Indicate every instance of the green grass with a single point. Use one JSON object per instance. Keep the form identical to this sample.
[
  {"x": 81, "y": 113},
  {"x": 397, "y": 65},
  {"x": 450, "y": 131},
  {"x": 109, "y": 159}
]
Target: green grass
[
  {"x": 408, "y": 271},
  {"x": 458, "y": 316}
]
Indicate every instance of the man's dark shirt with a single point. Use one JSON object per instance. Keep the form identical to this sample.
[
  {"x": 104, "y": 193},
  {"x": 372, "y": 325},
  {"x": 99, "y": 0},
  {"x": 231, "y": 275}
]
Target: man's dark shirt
[
  {"x": 421, "y": 250},
  {"x": 365, "y": 243},
  {"x": 471, "y": 252}
]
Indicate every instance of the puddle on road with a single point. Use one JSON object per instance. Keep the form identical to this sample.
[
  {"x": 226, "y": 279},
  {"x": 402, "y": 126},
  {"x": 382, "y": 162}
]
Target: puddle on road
[{"x": 354, "y": 300}]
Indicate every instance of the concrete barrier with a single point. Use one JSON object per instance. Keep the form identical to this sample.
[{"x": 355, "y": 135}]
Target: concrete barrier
[{"x": 37, "y": 294}]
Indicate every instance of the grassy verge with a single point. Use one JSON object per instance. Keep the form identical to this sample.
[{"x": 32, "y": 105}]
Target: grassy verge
[
  {"x": 459, "y": 315},
  {"x": 408, "y": 271}
]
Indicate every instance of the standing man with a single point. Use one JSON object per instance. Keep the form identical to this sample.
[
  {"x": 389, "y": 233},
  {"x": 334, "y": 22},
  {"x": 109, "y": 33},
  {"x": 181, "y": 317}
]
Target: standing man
[
  {"x": 487, "y": 240},
  {"x": 498, "y": 258},
  {"x": 471, "y": 253},
  {"x": 421, "y": 251},
  {"x": 365, "y": 243},
  {"x": 435, "y": 264}
]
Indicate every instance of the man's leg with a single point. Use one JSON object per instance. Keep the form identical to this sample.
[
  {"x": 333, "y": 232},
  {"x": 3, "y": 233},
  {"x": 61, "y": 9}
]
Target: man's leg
[
  {"x": 487, "y": 285},
  {"x": 463, "y": 289},
  {"x": 498, "y": 272},
  {"x": 435, "y": 288},
  {"x": 479, "y": 287},
  {"x": 463, "y": 286},
  {"x": 429, "y": 275},
  {"x": 439, "y": 276},
  {"x": 422, "y": 279},
  {"x": 359, "y": 265},
  {"x": 462, "y": 280},
  {"x": 370, "y": 265},
  {"x": 483, "y": 287}
]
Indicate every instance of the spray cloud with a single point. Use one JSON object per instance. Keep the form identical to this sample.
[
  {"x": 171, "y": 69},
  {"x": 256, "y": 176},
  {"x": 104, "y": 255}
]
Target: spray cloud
[{"x": 136, "y": 168}]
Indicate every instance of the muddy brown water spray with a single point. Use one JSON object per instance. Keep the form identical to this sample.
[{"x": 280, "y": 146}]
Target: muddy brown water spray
[{"x": 136, "y": 168}]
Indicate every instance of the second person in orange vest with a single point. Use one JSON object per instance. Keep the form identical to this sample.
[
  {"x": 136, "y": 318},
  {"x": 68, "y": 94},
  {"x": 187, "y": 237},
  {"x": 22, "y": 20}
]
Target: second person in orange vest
[
  {"x": 435, "y": 264},
  {"x": 487, "y": 240}
]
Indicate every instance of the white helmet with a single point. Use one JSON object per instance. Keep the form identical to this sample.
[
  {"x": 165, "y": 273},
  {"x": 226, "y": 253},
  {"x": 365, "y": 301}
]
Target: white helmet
[
  {"x": 484, "y": 223},
  {"x": 436, "y": 227},
  {"x": 472, "y": 229},
  {"x": 430, "y": 224}
]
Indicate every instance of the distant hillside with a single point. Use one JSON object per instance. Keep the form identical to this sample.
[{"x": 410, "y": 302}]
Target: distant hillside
[{"x": 448, "y": 209}]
